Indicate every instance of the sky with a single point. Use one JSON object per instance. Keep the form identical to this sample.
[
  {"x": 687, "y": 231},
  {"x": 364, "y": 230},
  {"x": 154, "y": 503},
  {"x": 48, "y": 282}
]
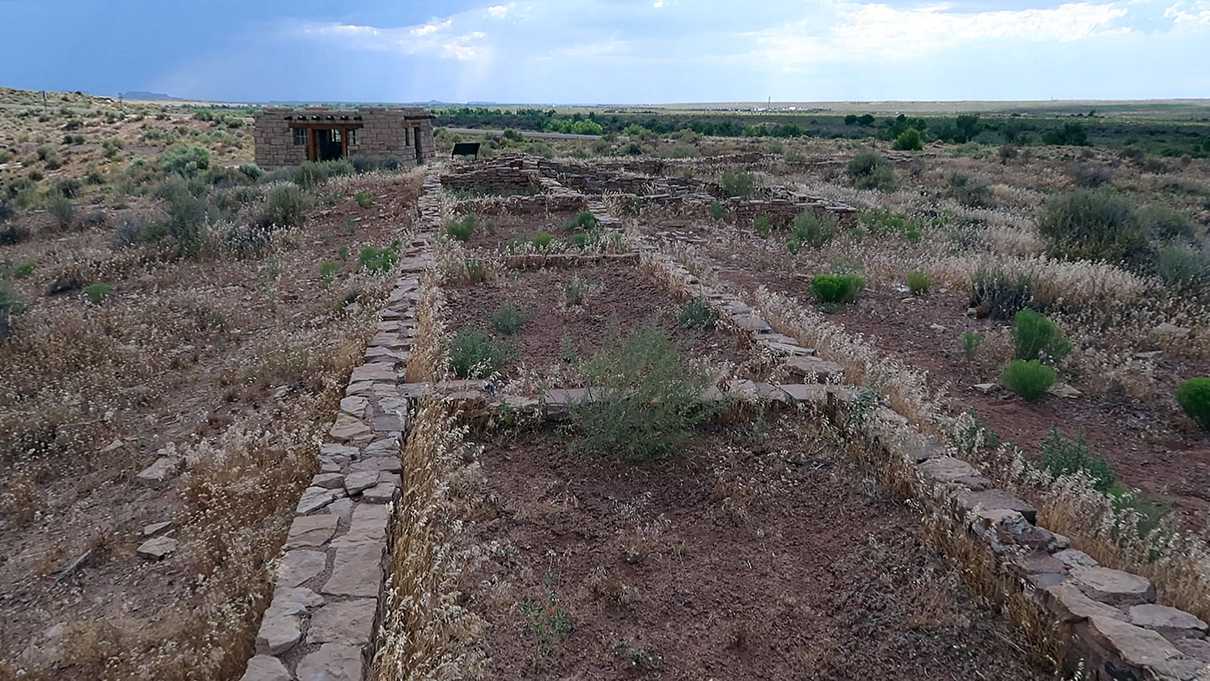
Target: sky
[{"x": 610, "y": 51}]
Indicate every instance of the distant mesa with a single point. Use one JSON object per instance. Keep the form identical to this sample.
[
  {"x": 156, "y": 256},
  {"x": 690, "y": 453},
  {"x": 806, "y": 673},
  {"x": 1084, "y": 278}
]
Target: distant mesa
[{"x": 143, "y": 96}]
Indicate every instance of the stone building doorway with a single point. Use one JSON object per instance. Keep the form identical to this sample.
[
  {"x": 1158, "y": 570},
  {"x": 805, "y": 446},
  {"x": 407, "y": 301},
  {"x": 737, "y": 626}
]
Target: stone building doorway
[{"x": 330, "y": 144}]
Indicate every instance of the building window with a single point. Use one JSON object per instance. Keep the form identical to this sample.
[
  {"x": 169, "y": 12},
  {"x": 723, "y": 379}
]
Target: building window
[
  {"x": 300, "y": 136},
  {"x": 336, "y": 134},
  {"x": 352, "y": 136}
]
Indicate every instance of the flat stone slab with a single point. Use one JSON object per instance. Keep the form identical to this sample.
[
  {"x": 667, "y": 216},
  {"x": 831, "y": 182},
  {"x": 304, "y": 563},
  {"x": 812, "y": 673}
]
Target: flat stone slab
[
  {"x": 385, "y": 446},
  {"x": 1139, "y": 648},
  {"x": 378, "y": 371},
  {"x": 356, "y": 570},
  {"x": 1072, "y": 605},
  {"x": 814, "y": 368},
  {"x": 996, "y": 499},
  {"x": 265, "y": 668},
  {"x": 315, "y": 498},
  {"x": 382, "y": 493},
  {"x": 278, "y": 633},
  {"x": 358, "y": 481},
  {"x": 157, "y": 548},
  {"x": 355, "y": 406},
  {"x": 300, "y": 565},
  {"x": 389, "y": 464},
  {"x": 332, "y": 662},
  {"x": 311, "y": 530},
  {"x": 294, "y": 600},
  {"x": 350, "y": 429},
  {"x": 344, "y": 622},
  {"x": 328, "y": 480},
  {"x": 156, "y": 528},
  {"x": 1169, "y": 622},
  {"x": 951, "y": 471},
  {"x": 161, "y": 470},
  {"x": 1113, "y": 586},
  {"x": 367, "y": 524}
]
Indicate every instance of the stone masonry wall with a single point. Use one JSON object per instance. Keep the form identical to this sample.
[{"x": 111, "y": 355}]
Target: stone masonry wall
[
  {"x": 381, "y": 137},
  {"x": 325, "y": 607}
]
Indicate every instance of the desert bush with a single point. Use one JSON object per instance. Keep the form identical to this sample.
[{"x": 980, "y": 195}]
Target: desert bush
[
  {"x": 737, "y": 183},
  {"x": 574, "y": 291},
  {"x": 763, "y": 225},
  {"x": 697, "y": 314},
  {"x": 68, "y": 186},
  {"x": 1194, "y": 397},
  {"x": 379, "y": 260},
  {"x": 13, "y": 233},
  {"x": 252, "y": 171},
  {"x": 717, "y": 210},
  {"x": 970, "y": 344},
  {"x": 1008, "y": 152},
  {"x": 869, "y": 170},
  {"x": 460, "y": 228},
  {"x": 97, "y": 292},
  {"x": 645, "y": 398},
  {"x": 1093, "y": 225},
  {"x": 812, "y": 229},
  {"x": 1180, "y": 266},
  {"x": 187, "y": 161},
  {"x": 1000, "y": 294},
  {"x": 364, "y": 199},
  {"x": 1090, "y": 175},
  {"x": 837, "y": 288},
  {"x": 918, "y": 283},
  {"x": 507, "y": 319},
  {"x": 909, "y": 140},
  {"x": 473, "y": 354},
  {"x": 884, "y": 222},
  {"x": 187, "y": 217},
  {"x": 1164, "y": 223},
  {"x": 543, "y": 240},
  {"x": 62, "y": 209},
  {"x": 1036, "y": 337},
  {"x": 969, "y": 191},
  {"x": 311, "y": 174},
  {"x": 583, "y": 221},
  {"x": 285, "y": 205},
  {"x": 1028, "y": 378},
  {"x": 1063, "y": 456},
  {"x": 328, "y": 270}
]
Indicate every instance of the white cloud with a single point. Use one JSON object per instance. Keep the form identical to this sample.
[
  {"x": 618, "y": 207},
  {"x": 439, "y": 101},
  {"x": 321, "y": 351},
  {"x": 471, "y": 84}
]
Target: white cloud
[
  {"x": 1189, "y": 13},
  {"x": 434, "y": 38},
  {"x": 499, "y": 11},
  {"x": 879, "y": 31}
]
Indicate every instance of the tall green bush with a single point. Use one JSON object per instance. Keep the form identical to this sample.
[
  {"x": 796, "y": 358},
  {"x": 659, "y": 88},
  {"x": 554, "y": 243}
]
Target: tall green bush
[
  {"x": 1194, "y": 397},
  {"x": 1093, "y": 225},
  {"x": 1028, "y": 378},
  {"x": 811, "y": 229},
  {"x": 869, "y": 170},
  {"x": 1037, "y": 337}
]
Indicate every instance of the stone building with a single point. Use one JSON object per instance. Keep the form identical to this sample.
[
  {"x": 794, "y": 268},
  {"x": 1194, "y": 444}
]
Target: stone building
[{"x": 290, "y": 136}]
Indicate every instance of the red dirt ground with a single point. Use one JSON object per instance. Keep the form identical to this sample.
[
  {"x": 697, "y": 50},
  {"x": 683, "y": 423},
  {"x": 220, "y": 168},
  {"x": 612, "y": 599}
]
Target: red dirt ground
[
  {"x": 621, "y": 299},
  {"x": 755, "y": 553}
]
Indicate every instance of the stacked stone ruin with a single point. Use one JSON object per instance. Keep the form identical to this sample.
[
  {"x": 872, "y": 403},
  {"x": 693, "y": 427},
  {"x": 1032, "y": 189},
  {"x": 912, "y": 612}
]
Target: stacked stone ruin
[
  {"x": 327, "y": 596},
  {"x": 518, "y": 183}
]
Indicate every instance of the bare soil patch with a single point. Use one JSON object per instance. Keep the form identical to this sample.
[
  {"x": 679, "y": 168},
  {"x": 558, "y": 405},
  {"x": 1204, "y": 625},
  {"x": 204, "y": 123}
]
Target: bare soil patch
[{"x": 756, "y": 552}]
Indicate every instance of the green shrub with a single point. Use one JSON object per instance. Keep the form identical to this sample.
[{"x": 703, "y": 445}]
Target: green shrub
[
  {"x": 812, "y": 229},
  {"x": 969, "y": 191},
  {"x": 837, "y": 288},
  {"x": 763, "y": 225},
  {"x": 312, "y": 173},
  {"x": 970, "y": 344},
  {"x": 717, "y": 210},
  {"x": 1194, "y": 397},
  {"x": 1028, "y": 378},
  {"x": 61, "y": 209},
  {"x": 737, "y": 183},
  {"x": 252, "y": 171},
  {"x": 697, "y": 314},
  {"x": 1064, "y": 456},
  {"x": 1036, "y": 337},
  {"x": 285, "y": 206},
  {"x": 461, "y": 228},
  {"x": 1090, "y": 175},
  {"x": 883, "y": 222},
  {"x": 869, "y": 170},
  {"x": 97, "y": 292},
  {"x": 918, "y": 283},
  {"x": 1179, "y": 265},
  {"x": 328, "y": 271},
  {"x": 473, "y": 355},
  {"x": 364, "y": 199},
  {"x": 583, "y": 221},
  {"x": 574, "y": 291},
  {"x": 1093, "y": 225},
  {"x": 998, "y": 294},
  {"x": 186, "y": 161},
  {"x": 909, "y": 140},
  {"x": 187, "y": 217},
  {"x": 1164, "y": 223},
  {"x": 646, "y": 400},
  {"x": 379, "y": 260},
  {"x": 507, "y": 319}
]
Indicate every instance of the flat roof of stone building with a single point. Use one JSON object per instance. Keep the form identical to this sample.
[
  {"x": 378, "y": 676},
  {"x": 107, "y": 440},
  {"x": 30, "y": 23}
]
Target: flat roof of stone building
[{"x": 325, "y": 111}]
